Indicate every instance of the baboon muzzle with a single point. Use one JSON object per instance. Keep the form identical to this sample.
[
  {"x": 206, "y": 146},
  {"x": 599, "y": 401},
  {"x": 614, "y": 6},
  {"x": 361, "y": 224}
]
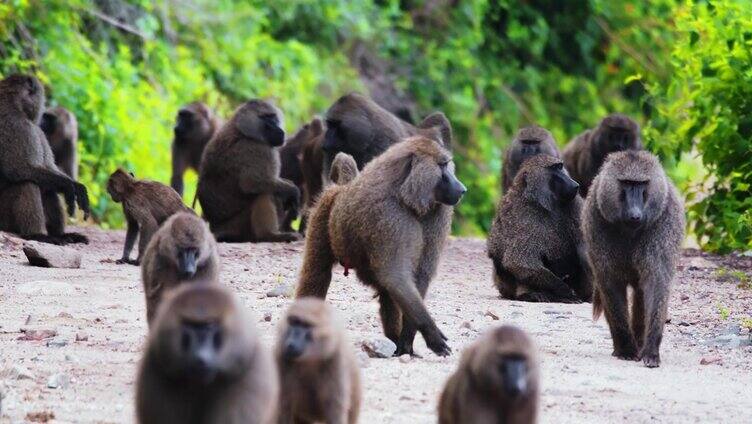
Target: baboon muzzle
[
  {"x": 296, "y": 340},
  {"x": 514, "y": 373},
  {"x": 187, "y": 262}
]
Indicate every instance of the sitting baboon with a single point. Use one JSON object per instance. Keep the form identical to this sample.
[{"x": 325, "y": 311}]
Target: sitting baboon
[
  {"x": 29, "y": 179},
  {"x": 61, "y": 129},
  {"x": 319, "y": 377},
  {"x": 495, "y": 382},
  {"x": 182, "y": 251},
  {"x": 146, "y": 205},
  {"x": 195, "y": 125},
  {"x": 528, "y": 142},
  {"x": 535, "y": 241},
  {"x": 239, "y": 177},
  {"x": 291, "y": 157},
  {"x": 204, "y": 363},
  {"x": 584, "y": 155},
  {"x": 390, "y": 225},
  {"x": 633, "y": 224}
]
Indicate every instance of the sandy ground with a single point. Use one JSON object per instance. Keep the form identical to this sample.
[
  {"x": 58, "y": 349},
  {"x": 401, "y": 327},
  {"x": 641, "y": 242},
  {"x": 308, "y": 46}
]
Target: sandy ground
[{"x": 98, "y": 314}]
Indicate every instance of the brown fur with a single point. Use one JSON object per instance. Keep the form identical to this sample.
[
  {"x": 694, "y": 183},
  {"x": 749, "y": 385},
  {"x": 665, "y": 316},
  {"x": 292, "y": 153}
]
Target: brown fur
[
  {"x": 321, "y": 383},
  {"x": 61, "y": 129},
  {"x": 195, "y": 125},
  {"x": 585, "y": 154},
  {"x": 389, "y": 227},
  {"x": 344, "y": 169},
  {"x": 293, "y": 169},
  {"x": 244, "y": 388},
  {"x": 643, "y": 258},
  {"x": 146, "y": 205},
  {"x": 534, "y": 138},
  {"x": 239, "y": 177},
  {"x": 161, "y": 268},
  {"x": 312, "y": 167},
  {"x": 476, "y": 393},
  {"x": 29, "y": 179}
]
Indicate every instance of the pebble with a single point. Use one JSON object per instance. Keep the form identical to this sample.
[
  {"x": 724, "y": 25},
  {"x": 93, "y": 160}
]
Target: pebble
[
  {"x": 58, "y": 381},
  {"x": 714, "y": 359},
  {"x": 282, "y": 290},
  {"x": 489, "y": 313},
  {"x": 17, "y": 372},
  {"x": 405, "y": 358},
  {"x": 379, "y": 348},
  {"x": 267, "y": 316}
]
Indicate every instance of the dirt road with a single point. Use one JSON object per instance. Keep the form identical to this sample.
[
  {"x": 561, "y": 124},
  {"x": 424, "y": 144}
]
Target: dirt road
[{"x": 97, "y": 313}]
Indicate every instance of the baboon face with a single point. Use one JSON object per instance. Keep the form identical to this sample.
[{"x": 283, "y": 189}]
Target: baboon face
[
  {"x": 260, "y": 121},
  {"x": 563, "y": 187},
  {"x": 531, "y": 141},
  {"x": 449, "y": 189},
  {"x": 545, "y": 181},
  {"x": 308, "y": 334},
  {"x": 118, "y": 184},
  {"x": 430, "y": 178},
  {"x": 27, "y": 93},
  {"x": 616, "y": 133},
  {"x": 348, "y": 127},
  {"x": 196, "y": 338},
  {"x": 192, "y": 119},
  {"x": 189, "y": 248},
  {"x": 503, "y": 363}
]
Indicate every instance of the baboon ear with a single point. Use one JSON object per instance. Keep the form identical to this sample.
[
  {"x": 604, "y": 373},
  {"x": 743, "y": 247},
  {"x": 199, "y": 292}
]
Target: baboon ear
[
  {"x": 247, "y": 123},
  {"x": 417, "y": 191},
  {"x": 316, "y": 127},
  {"x": 439, "y": 121}
]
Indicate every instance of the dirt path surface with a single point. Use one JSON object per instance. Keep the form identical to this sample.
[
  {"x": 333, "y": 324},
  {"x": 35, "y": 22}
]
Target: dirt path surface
[{"x": 97, "y": 314}]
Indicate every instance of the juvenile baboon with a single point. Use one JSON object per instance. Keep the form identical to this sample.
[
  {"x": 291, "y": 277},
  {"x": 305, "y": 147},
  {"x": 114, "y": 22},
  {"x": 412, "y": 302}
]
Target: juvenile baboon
[
  {"x": 535, "y": 240},
  {"x": 344, "y": 169},
  {"x": 146, "y": 205},
  {"x": 633, "y": 224},
  {"x": 29, "y": 179},
  {"x": 292, "y": 169},
  {"x": 195, "y": 125},
  {"x": 528, "y": 142},
  {"x": 182, "y": 251},
  {"x": 495, "y": 382},
  {"x": 204, "y": 363},
  {"x": 61, "y": 129},
  {"x": 584, "y": 155},
  {"x": 389, "y": 224},
  {"x": 319, "y": 377},
  {"x": 239, "y": 177}
]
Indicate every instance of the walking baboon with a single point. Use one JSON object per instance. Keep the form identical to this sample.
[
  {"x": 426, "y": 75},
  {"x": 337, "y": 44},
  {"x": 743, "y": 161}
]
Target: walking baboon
[
  {"x": 319, "y": 377},
  {"x": 146, "y": 205},
  {"x": 633, "y": 223},
  {"x": 204, "y": 363},
  {"x": 344, "y": 169},
  {"x": 497, "y": 381},
  {"x": 239, "y": 177},
  {"x": 390, "y": 225},
  {"x": 61, "y": 129},
  {"x": 195, "y": 125},
  {"x": 291, "y": 157},
  {"x": 535, "y": 240},
  {"x": 181, "y": 251},
  {"x": 528, "y": 142},
  {"x": 29, "y": 179},
  {"x": 584, "y": 155}
]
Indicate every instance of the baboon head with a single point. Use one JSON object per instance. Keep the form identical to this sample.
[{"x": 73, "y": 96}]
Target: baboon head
[
  {"x": 260, "y": 121},
  {"x": 350, "y": 127},
  {"x": 615, "y": 133},
  {"x": 309, "y": 332},
  {"x": 344, "y": 169},
  {"x": 531, "y": 141},
  {"x": 193, "y": 120},
  {"x": 308, "y": 131},
  {"x": 543, "y": 180},
  {"x": 632, "y": 189},
  {"x": 120, "y": 184},
  {"x": 190, "y": 245},
  {"x": 24, "y": 93},
  {"x": 200, "y": 335},
  {"x": 430, "y": 177},
  {"x": 503, "y": 363}
]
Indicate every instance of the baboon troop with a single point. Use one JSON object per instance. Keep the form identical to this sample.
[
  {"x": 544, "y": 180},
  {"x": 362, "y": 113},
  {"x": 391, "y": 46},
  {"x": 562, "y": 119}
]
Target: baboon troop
[
  {"x": 535, "y": 241},
  {"x": 30, "y": 181},
  {"x": 497, "y": 381},
  {"x": 183, "y": 250},
  {"x": 528, "y": 142},
  {"x": 195, "y": 125},
  {"x": 319, "y": 378},
  {"x": 61, "y": 129},
  {"x": 389, "y": 225},
  {"x": 146, "y": 205},
  {"x": 204, "y": 363},
  {"x": 633, "y": 225}
]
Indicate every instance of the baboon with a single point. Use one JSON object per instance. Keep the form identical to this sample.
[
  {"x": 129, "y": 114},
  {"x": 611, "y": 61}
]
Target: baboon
[
  {"x": 204, "y": 363},
  {"x": 312, "y": 167},
  {"x": 529, "y": 141},
  {"x": 61, "y": 129},
  {"x": 390, "y": 225},
  {"x": 182, "y": 251},
  {"x": 29, "y": 179},
  {"x": 195, "y": 125},
  {"x": 584, "y": 155},
  {"x": 633, "y": 224},
  {"x": 291, "y": 157},
  {"x": 344, "y": 169},
  {"x": 535, "y": 240},
  {"x": 319, "y": 377},
  {"x": 239, "y": 177},
  {"x": 497, "y": 381}
]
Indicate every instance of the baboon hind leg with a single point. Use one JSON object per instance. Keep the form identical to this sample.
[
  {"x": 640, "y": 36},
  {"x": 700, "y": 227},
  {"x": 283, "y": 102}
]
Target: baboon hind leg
[
  {"x": 391, "y": 317},
  {"x": 638, "y": 317},
  {"x": 656, "y": 291},
  {"x": 614, "y": 297},
  {"x": 54, "y": 216},
  {"x": 22, "y": 213},
  {"x": 264, "y": 221}
]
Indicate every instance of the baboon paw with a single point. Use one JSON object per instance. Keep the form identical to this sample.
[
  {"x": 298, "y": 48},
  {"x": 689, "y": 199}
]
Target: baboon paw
[
  {"x": 651, "y": 360},
  {"x": 75, "y": 238},
  {"x": 128, "y": 262},
  {"x": 626, "y": 356}
]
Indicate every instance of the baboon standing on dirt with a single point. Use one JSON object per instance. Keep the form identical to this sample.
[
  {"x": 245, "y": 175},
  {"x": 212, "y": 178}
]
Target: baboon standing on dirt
[
  {"x": 528, "y": 142},
  {"x": 195, "y": 125},
  {"x": 390, "y": 225},
  {"x": 61, "y": 129},
  {"x": 633, "y": 223}
]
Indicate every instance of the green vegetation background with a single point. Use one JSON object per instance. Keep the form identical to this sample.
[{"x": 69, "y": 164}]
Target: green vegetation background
[{"x": 682, "y": 68}]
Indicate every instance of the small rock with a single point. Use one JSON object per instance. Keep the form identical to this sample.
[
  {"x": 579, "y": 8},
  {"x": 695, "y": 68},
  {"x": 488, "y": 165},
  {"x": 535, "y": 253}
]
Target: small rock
[
  {"x": 379, "y": 348},
  {"x": 684, "y": 297},
  {"x": 466, "y": 324},
  {"x": 40, "y": 417},
  {"x": 492, "y": 315},
  {"x": 57, "y": 342},
  {"x": 58, "y": 381},
  {"x": 267, "y": 316},
  {"x": 683, "y": 324},
  {"x": 698, "y": 262},
  {"x": 282, "y": 290},
  {"x": 17, "y": 372},
  {"x": 82, "y": 337},
  {"x": 51, "y": 256},
  {"x": 405, "y": 358},
  {"x": 37, "y": 335},
  {"x": 707, "y": 360}
]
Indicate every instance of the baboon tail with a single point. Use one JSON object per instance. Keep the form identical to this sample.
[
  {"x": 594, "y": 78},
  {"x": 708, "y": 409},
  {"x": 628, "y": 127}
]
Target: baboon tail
[
  {"x": 318, "y": 259},
  {"x": 597, "y": 304}
]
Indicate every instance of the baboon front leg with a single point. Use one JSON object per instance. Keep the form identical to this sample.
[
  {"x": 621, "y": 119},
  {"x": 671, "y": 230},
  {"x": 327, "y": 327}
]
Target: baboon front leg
[
  {"x": 614, "y": 296},
  {"x": 130, "y": 239},
  {"x": 656, "y": 307},
  {"x": 264, "y": 221},
  {"x": 638, "y": 317}
]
